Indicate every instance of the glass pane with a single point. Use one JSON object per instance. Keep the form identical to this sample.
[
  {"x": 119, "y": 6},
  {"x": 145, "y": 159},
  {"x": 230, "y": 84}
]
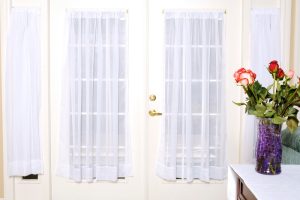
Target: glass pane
[
  {"x": 213, "y": 130},
  {"x": 196, "y": 127},
  {"x": 122, "y": 62},
  {"x": 122, "y": 130},
  {"x": 196, "y": 63},
  {"x": 210, "y": 27},
  {"x": 212, "y": 65},
  {"x": 220, "y": 36},
  {"x": 122, "y": 99},
  {"x": 213, "y": 97},
  {"x": 197, "y": 27},
  {"x": 174, "y": 63},
  {"x": 197, "y": 97},
  {"x": 174, "y": 90}
]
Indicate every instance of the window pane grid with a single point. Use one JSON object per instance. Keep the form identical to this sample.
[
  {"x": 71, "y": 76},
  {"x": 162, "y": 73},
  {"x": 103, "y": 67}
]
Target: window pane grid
[
  {"x": 193, "y": 92},
  {"x": 98, "y": 143}
]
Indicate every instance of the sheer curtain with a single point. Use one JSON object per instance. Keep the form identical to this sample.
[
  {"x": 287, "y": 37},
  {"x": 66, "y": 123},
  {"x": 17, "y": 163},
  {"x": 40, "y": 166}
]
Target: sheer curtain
[
  {"x": 22, "y": 93},
  {"x": 192, "y": 144},
  {"x": 265, "y": 46},
  {"x": 95, "y": 143}
]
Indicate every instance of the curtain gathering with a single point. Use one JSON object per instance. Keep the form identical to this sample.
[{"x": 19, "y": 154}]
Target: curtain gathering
[
  {"x": 265, "y": 46},
  {"x": 192, "y": 144},
  {"x": 95, "y": 143},
  {"x": 22, "y": 93}
]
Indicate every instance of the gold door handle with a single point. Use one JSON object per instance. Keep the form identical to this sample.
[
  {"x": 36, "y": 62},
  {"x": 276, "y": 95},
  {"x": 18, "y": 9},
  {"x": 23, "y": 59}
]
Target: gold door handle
[{"x": 153, "y": 113}]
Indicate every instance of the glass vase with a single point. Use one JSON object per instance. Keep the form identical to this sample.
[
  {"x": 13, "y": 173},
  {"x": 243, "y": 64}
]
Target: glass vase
[{"x": 268, "y": 147}]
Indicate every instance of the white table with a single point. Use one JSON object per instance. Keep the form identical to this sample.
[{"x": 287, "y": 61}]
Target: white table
[{"x": 285, "y": 186}]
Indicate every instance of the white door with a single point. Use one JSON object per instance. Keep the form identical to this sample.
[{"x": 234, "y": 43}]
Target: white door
[
  {"x": 177, "y": 190},
  {"x": 128, "y": 188}
]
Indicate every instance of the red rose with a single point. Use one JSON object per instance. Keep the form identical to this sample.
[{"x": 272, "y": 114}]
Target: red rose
[
  {"x": 273, "y": 66},
  {"x": 280, "y": 74},
  {"x": 244, "y": 77}
]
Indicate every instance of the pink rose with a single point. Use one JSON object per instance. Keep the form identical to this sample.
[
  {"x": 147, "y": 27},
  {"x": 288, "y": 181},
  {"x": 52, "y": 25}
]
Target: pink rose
[
  {"x": 290, "y": 74},
  {"x": 238, "y": 72},
  {"x": 244, "y": 77}
]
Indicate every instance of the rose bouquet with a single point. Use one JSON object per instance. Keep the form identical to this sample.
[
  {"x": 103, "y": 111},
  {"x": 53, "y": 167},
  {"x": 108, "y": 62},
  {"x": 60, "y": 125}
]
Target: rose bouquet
[{"x": 279, "y": 101}]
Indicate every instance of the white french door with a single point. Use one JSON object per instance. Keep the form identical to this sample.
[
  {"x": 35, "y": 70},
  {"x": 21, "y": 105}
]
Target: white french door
[
  {"x": 130, "y": 187},
  {"x": 177, "y": 190},
  {"x": 146, "y": 68}
]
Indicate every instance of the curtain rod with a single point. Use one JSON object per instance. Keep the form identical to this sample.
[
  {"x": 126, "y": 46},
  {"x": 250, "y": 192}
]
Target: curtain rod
[
  {"x": 96, "y": 9},
  {"x": 25, "y": 7},
  {"x": 194, "y": 10}
]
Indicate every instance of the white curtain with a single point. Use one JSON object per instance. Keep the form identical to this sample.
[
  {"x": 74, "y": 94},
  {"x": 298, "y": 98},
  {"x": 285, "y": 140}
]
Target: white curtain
[
  {"x": 265, "y": 47},
  {"x": 192, "y": 144},
  {"x": 95, "y": 143},
  {"x": 22, "y": 92}
]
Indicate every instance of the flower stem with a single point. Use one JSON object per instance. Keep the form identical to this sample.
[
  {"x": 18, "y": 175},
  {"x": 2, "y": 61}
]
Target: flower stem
[{"x": 274, "y": 83}]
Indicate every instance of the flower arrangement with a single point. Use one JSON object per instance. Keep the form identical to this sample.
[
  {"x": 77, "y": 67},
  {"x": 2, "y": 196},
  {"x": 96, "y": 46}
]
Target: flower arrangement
[{"x": 279, "y": 101}]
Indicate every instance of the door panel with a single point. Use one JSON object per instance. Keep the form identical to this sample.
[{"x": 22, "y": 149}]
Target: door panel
[
  {"x": 158, "y": 188},
  {"x": 132, "y": 187}
]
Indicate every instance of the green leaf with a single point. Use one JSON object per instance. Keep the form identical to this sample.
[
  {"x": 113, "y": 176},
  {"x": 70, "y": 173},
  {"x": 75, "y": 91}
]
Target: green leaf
[
  {"x": 269, "y": 113},
  {"x": 292, "y": 124},
  {"x": 278, "y": 120},
  {"x": 239, "y": 104},
  {"x": 251, "y": 112},
  {"x": 264, "y": 92},
  {"x": 258, "y": 113},
  {"x": 260, "y": 108},
  {"x": 256, "y": 85},
  {"x": 291, "y": 111},
  {"x": 298, "y": 91},
  {"x": 273, "y": 97},
  {"x": 270, "y": 106}
]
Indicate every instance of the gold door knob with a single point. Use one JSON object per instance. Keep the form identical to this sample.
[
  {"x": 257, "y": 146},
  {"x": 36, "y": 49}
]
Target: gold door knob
[
  {"x": 153, "y": 113},
  {"x": 152, "y": 97}
]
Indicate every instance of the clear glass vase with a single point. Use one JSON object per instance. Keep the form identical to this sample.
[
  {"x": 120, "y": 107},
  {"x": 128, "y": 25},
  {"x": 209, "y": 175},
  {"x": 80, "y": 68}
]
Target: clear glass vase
[{"x": 268, "y": 147}]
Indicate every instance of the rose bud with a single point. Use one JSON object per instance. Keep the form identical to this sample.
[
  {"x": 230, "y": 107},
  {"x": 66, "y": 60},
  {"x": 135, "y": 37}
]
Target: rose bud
[
  {"x": 273, "y": 66},
  {"x": 280, "y": 74},
  {"x": 290, "y": 74}
]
